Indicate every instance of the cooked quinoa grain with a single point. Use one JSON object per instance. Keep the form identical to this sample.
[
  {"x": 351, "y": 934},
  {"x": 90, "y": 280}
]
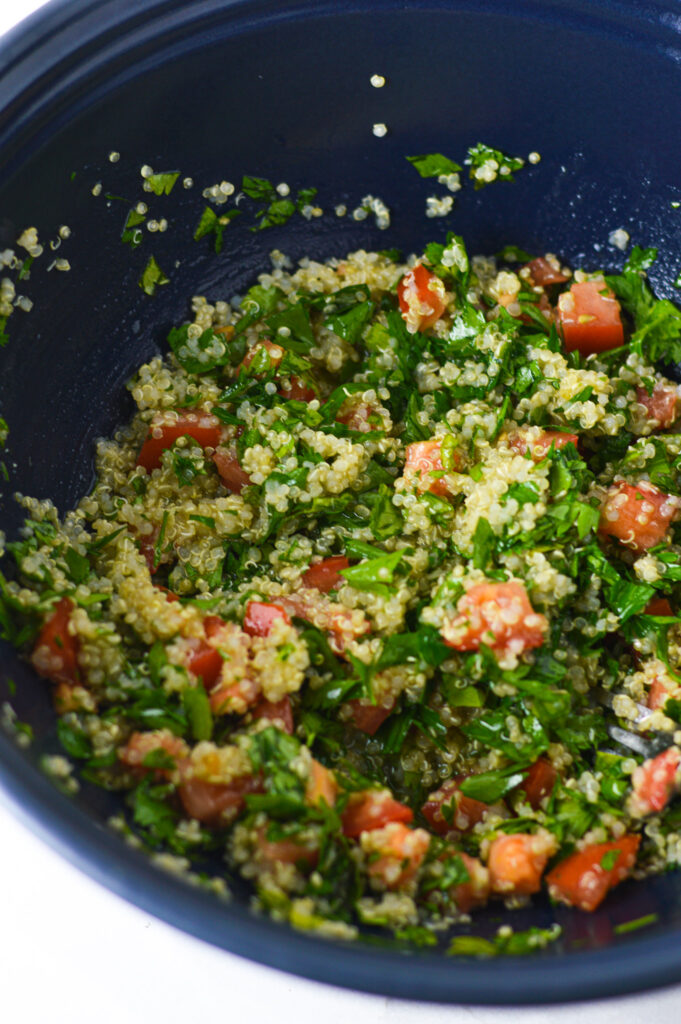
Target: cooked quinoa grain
[{"x": 385, "y": 550}]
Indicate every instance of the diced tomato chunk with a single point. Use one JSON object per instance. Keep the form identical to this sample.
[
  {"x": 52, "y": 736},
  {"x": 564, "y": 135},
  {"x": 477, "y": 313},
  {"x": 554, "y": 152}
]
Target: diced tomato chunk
[
  {"x": 539, "y": 782},
  {"x": 658, "y": 606},
  {"x": 638, "y": 516},
  {"x": 496, "y": 614},
  {"x": 474, "y": 892},
  {"x": 658, "y": 694},
  {"x": 357, "y": 417},
  {"x": 55, "y": 654},
  {"x": 538, "y": 448},
  {"x": 297, "y": 390},
  {"x": 447, "y": 808},
  {"x": 260, "y": 617},
  {"x": 662, "y": 404},
  {"x": 423, "y": 460},
  {"x": 279, "y": 712},
  {"x": 395, "y": 854},
  {"x": 203, "y": 661},
  {"x": 421, "y": 295},
  {"x": 235, "y": 697},
  {"x": 654, "y": 783},
  {"x": 516, "y": 862},
  {"x": 589, "y": 317},
  {"x": 368, "y": 718},
  {"x": 204, "y": 428},
  {"x": 326, "y": 575},
  {"x": 275, "y": 353},
  {"x": 271, "y": 852},
  {"x": 373, "y": 809},
  {"x": 229, "y": 470},
  {"x": 584, "y": 878},
  {"x": 143, "y": 744},
  {"x": 321, "y": 786},
  {"x": 341, "y": 624},
  {"x": 170, "y": 596},
  {"x": 544, "y": 274},
  {"x": 216, "y": 803}
]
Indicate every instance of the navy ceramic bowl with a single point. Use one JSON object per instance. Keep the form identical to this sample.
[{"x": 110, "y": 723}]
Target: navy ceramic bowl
[{"x": 280, "y": 88}]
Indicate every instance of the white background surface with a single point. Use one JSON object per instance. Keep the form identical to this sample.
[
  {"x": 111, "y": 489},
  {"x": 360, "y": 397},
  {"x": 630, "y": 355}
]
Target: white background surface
[{"x": 72, "y": 953}]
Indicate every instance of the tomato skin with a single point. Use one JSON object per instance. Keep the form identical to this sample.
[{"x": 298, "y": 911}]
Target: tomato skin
[
  {"x": 657, "y": 694},
  {"x": 661, "y": 405},
  {"x": 395, "y": 854},
  {"x": 203, "y": 427},
  {"x": 538, "y": 449},
  {"x": 474, "y": 892},
  {"x": 297, "y": 391},
  {"x": 275, "y": 352},
  {"x": 421, "y": 297},
  {"x": 271, "y": 852},
  {"x": 654, "y": 783},
  {"x": 465, "y": 811},
  {"x": 638, "y": 516},
  {"x": 373, "y": 809},
  {"x": 544, "y": 274},
  {"x": 539, "y": 782},
  {"x": 204, "y": 661},
  {"x": 321, "y": 786},
  {"x": 326, "y": 575},
  {"x": 581, "y": 881},
  {"x": 516, "y": 862},
  {"x": 229, "y": 470},
  {"x": 658, "y": 606},
  {"x": 280, "y": 713},
  {"x": 483, "y": 616},
  {"x": 260, "y": 617},
  {"x": 356, "y": 417},
  {"x": 368, "y": 718},
  {"x": 215, "y": 803},
  {"x": 423, "y": 459},
  {"x": 340, "y": 624},
  {"x": 589, "y": 318},
  {"x": 55, "y": 653}
]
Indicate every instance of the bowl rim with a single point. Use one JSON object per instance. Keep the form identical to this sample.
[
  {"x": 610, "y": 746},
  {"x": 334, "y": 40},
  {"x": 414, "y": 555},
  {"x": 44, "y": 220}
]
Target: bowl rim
[{"x": 29, "y": 50}]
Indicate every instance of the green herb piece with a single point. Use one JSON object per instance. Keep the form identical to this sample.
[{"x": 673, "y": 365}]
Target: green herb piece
[
  {"x": 489, "y": 787},
  {"x": 202, "y": 354},
  {"x": 212, "y": 223},
  {"x": 75, "y": 742},
  {"x": 78, "y": 565},
  {"x": 197, "y": 706},
  {"x": 609, "y": 859},
  {"x": 432, "y": 165},
  {"x": 484, "y": 540},
  {"x": 638, "y": 922},
  {"x": 188, "y": 463},
  {"x": 132, "y": 234},
  {"x": 158, "y": 546},
  {"x": 204, "y": 520},
  {"x": 375, "y": 574},
  {"x": 488, "y": 165},
  {"x": 292, "y": 328},
  {"x": 349, "y": 325},
  {"x": 4, "y": 432},
  {"x": 163, "y": 182},
  {"x": 152, "y": 276}
]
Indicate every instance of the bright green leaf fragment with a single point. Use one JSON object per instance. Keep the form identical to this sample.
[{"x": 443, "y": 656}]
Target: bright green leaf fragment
[
  {"x": 197, "y": 705},
  {"x": 488, "y": 165},
  {"x": 432, "y": 165},
  {"x": 152, "y": 275},
  {"x": 212, "y": 223},
  {"x": 4, "y": 337},
  {"x": 132, "y": 233},
  {"x": 632, "y": 926},
  {"x": 511, "y": 944},
  {"x": 163, "y": 182},
  {"x": 4, "y": 432}
]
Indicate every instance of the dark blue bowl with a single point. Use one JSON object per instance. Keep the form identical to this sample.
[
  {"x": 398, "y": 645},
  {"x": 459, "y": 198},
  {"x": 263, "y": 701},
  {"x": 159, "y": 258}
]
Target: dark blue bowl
[{"x": 281, "y": 89}]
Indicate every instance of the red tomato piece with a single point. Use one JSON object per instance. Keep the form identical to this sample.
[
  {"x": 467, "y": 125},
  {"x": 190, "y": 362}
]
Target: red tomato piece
[
  {"x": 297, "y": 390},
  {"x": 229, "y": 470},
  {"x": 654, "y": 783},
  {"x": 215, "y": 803},
  {"x": 260, "y": 617},
  {"x": 55, "y": 654},
  {"x": 538, "y": 448},
  {"x": 141, "y": 744},
  {"x": 374, "y": 808},
  {"x": 271, "y": 852},
  {"x": 357, "y": 417},
  {"x": 447, "y": 809},
  {"x": 165, "y": 429},
  {"x": 340, "y": 624},
  {"x": 369, "y": 717},
  {"x": 474, "y": 892},
  {"x": 516, "y": 862},
  {"x": 275, "y": 352},
  {"x": 424, "y": 459},
  {"x": 170, "y": 596},
  {"x": 544, "y": 274},
  {"x": 421, "y": 295},
  {"x": 589, "y": 318},
  {"x": 638, "y": 516},
  {"x": 661, "y": 405},
  {"x": 658, "y": 606},
  {"x": 234, "y": 698},
  {"x": 496, "y": 614},
  {"x": 203, "y": 661},
  {"x": 321, "y": 786},
  {"x": 395, "y": 854},
  {"x": 326, "y": 575},
  {"x": 539, "y": 782},
  {"x": 584, "y": 878},
  {"x": 280, "y": 713},
  {"x": 658, "y": 694}
]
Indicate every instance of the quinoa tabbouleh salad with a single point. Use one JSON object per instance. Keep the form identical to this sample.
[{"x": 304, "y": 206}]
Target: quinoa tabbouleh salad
[{"x": 358, "y": 595}]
